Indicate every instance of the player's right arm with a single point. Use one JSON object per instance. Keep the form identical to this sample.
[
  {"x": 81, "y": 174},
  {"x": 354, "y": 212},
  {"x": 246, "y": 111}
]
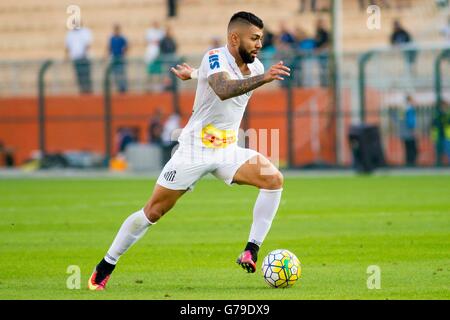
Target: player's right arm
[{"x": 226, "y": 88}]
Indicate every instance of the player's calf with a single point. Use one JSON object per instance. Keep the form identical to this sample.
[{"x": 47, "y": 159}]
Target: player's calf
[{"x": 161, "y": 202}]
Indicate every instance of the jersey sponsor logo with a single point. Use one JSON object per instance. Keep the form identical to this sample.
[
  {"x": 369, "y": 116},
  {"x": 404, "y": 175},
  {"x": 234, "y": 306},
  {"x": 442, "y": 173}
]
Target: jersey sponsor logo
[
  {"x": 217, "y": 138},
  {"x": 214, "y": 61},
  {"x": 170, "y": 175}
]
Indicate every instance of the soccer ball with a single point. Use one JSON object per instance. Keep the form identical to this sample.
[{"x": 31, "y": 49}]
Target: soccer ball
[{"x": 281, "y": 268}]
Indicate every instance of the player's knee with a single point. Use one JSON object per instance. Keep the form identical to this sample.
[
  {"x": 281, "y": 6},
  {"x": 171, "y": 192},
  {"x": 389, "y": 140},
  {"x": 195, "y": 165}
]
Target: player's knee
[
  {"x": 274, "y": 181},
  {"x": 153, "y": 212}
]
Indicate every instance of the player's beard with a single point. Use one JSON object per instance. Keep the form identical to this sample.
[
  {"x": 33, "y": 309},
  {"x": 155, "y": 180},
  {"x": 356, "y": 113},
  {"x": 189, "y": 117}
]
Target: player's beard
[{"x": 245, "y": 55}]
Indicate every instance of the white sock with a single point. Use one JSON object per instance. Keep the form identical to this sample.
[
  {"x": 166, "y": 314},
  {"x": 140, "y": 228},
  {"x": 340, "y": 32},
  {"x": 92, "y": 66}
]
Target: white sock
[
  {"x": 132, "y": 229},
  {"x": 266, "y": 207}
]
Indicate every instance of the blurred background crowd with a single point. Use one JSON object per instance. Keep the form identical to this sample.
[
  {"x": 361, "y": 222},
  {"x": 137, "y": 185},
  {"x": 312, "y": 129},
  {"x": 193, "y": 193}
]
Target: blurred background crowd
[{"x": 116, "y": 55}]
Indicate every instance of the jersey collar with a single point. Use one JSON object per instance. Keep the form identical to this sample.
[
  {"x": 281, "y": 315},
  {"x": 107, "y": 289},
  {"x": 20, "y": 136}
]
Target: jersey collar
[{"x": 235, "y": 67}]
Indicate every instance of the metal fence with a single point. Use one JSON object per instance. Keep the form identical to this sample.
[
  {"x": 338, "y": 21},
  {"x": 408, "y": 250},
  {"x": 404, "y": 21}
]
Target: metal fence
[
  {"x": 313, "y": 119},
  {"x": 388, "y": 77}
]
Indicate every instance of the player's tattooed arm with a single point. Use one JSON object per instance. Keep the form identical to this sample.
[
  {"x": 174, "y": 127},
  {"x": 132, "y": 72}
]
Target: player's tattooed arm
[{"x": 227, "y": 88}]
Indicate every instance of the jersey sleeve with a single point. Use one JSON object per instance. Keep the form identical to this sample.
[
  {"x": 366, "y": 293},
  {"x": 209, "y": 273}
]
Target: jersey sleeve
[{"x": 215, "y": 62}]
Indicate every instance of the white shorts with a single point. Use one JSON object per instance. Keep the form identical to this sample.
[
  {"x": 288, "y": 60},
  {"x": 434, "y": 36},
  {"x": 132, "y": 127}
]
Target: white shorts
[{"x": 189, "y": 164}]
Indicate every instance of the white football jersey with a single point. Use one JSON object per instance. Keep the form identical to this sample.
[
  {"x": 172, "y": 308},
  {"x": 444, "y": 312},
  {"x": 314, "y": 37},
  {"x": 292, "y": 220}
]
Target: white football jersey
[{"x": 215, "y": 123}]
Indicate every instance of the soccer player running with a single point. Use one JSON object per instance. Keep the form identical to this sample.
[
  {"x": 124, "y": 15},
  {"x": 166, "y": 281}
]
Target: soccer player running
[{"x": 208, "y": 144}]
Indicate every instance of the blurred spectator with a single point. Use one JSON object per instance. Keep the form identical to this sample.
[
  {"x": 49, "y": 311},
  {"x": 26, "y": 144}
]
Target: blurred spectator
[
  {"x": 78, "y": 42},
  {"x": 407, "y": 125},
  {"x": 155, "y": 128},
  {"x": 6, "y": 156},
  {"x": 399, "y": 35},
  {"x": 447, "y": 132},
  {"x": 172, "y": 8},
  {"x": 305, "y": 47},
  {"x": 268, "y": 37},
  {"x": 322, "y": 39},
  {"x": 442, "y": 4},
  {"x": 125, "y": 136},
  {"x": 445, "y": 31},
  {"x": 153, "y": 36},
  {"x": 315, "y": 5},
  {"x": 268, "y": 48},
  {"x": 168, "y": 49},
  {"x": 118, "y": 47},
  {"x": 284, "y": 52},
  {"x": 400, "y": 38},
  {"x": 168, "y": 45},
  {"x": 305, "y": 43},
  {"x": 303, "y": 4},
  {"x": 170, "y": 136},
  {"x": 440, "y": 133},
  {"x": 286, "y": 35}
]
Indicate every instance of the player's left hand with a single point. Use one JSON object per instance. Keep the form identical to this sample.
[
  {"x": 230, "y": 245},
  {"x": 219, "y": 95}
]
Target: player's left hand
[{"x": 183, "y": 71}]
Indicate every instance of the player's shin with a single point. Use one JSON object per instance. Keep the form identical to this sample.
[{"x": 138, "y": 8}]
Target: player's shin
[
  {"x": 132, "y": 229},
  {"x": 264, "y": 211}
]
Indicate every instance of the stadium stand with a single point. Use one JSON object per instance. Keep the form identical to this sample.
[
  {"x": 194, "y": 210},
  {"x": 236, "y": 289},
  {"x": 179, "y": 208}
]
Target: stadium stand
[
  {"x": 23, "y": 22},
  {"x": 32, "y": 32}
]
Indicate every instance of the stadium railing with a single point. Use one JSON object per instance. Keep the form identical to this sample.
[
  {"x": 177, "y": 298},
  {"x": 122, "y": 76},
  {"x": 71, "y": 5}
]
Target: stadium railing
[
  {"x": 386, "y": 76},
  {"x": 304, "y": 111}
]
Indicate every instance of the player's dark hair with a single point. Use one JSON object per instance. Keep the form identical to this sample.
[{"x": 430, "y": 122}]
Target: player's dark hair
[{"x": 246, "y": 17}]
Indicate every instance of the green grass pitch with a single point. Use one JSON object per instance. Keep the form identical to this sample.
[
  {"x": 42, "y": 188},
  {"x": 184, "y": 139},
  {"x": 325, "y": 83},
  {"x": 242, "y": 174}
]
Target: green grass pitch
[{"x": 337, "y": 226}]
